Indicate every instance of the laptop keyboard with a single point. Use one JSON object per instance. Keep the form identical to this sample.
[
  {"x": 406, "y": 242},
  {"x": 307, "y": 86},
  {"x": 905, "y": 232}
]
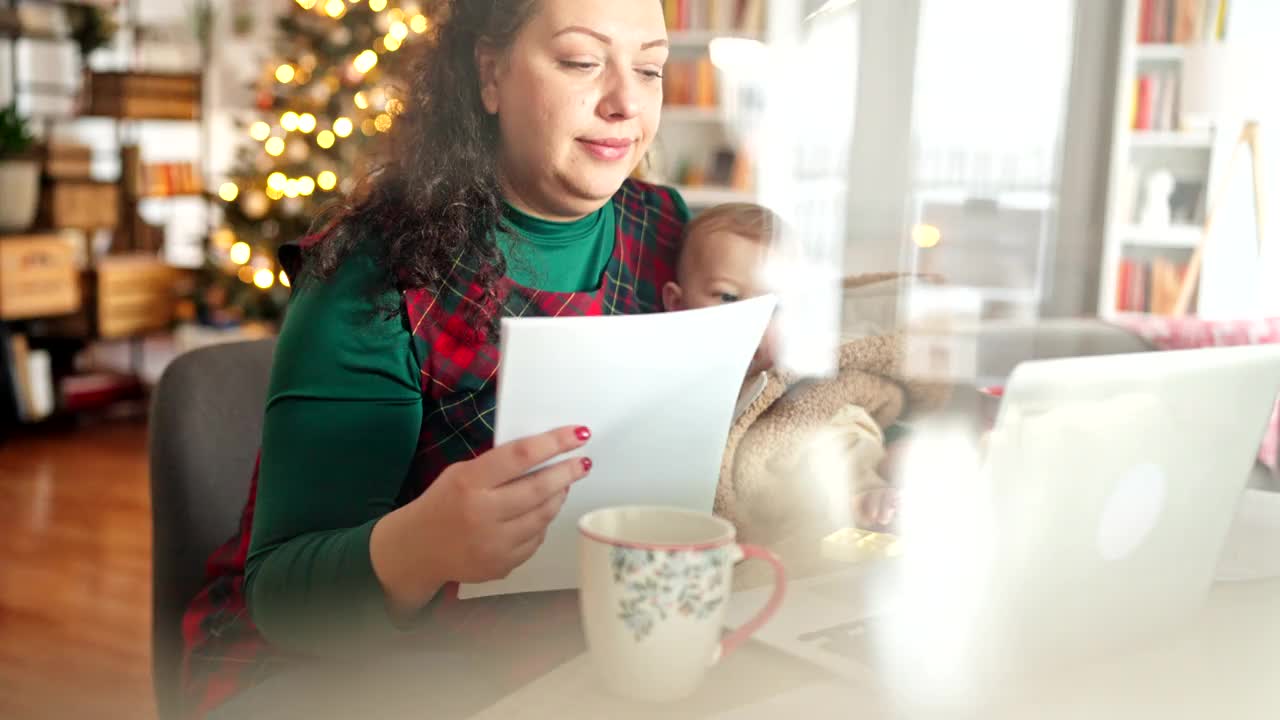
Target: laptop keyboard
[{"x": 853, "y": 641}]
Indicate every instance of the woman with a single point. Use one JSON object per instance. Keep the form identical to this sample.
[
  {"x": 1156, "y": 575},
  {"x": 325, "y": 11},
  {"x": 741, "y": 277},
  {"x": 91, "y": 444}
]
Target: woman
[{"x": 377, "y": 488}]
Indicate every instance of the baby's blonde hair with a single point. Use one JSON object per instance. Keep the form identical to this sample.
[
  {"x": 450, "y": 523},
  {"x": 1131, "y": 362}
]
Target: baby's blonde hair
[
  {"x": 740, "y": 218},
  {"x": 747, "y": 220}
]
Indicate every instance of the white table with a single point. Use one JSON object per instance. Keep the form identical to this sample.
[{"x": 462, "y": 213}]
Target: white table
[{"x": 1224, "y": 664}]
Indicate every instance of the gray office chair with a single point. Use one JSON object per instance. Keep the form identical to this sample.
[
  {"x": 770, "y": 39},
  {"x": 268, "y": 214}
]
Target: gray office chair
[{"x": 205, "y": 427}]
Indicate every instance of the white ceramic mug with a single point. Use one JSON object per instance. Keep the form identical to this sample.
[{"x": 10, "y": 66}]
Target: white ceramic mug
[{"x": 654, "y": 586}]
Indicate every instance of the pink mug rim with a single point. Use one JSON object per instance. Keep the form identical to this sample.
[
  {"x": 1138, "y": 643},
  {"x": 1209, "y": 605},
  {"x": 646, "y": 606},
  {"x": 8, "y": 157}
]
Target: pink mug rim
[{"x": 728, "y": 539}]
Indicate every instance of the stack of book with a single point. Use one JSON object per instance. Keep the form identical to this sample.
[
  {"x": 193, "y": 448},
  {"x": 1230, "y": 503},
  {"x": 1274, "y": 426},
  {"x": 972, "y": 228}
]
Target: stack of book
[
  {"x": 690, "y": 83},
  {"x": 28, "y": 392},
  {"x": 744, "y": 17},
  {"x": 1154, "y": 102},
  {"x": 1149, "y": 286},
  {"x": 169, "y": 179},
  {"x": 1182, "y": 21}
]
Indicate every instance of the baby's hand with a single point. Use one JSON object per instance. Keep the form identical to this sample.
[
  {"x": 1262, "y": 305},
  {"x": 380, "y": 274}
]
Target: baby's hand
[
  {"x": 875, "y": 509},
  {"x": 895, "y": 459}
]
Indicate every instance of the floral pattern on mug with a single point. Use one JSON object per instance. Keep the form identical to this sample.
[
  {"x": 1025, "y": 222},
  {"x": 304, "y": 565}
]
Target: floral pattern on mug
[{"x": 659, "y": 584}]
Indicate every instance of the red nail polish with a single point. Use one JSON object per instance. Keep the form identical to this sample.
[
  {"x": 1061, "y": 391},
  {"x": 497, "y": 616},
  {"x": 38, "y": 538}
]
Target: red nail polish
[
  {"x": 583, "y": 434},
  {"x": 586, "y": 464}
]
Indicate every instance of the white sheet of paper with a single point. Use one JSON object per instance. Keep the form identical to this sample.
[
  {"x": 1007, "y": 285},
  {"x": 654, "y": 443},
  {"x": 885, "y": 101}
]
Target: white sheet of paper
[{"x": 657, "y": 392}]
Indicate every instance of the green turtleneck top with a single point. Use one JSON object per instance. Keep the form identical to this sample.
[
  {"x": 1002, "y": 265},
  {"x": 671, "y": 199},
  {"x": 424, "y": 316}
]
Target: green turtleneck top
[{"x": 343, "y": 418}]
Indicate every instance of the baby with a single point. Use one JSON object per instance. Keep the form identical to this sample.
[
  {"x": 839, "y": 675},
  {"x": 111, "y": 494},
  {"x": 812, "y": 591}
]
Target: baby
[{"x": 722, "y": 260}]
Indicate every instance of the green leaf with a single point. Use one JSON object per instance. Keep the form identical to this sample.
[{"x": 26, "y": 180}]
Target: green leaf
[{"x": 15, "y": 134}]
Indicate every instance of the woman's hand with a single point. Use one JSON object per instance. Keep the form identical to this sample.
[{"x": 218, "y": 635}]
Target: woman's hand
[
  {"x": 479, "y": 520},
  {"x": 487, "y": 516}
]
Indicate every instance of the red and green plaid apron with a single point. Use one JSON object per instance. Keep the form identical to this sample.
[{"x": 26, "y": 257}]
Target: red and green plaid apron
[{"x": 224, "y": 651}]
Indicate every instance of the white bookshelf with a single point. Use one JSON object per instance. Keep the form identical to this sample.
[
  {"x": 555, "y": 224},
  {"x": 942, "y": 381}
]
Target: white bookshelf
[
  {"x": 1134, "y": 155},
  {"x": 1181, "y": 237},
  {"x": 1168, "y": 139},
  {"x": 1162, "y": 51},
  {"x": 694, "y": 133}
]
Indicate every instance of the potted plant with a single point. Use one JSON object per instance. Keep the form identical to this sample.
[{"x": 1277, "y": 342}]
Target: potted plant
[
  {"x": 19, "y": 173},
  {"x": 92, "y": 26}
]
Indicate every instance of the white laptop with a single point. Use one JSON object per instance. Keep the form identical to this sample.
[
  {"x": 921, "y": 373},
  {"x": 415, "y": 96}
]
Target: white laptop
[{"x": 1095, "y": 517}]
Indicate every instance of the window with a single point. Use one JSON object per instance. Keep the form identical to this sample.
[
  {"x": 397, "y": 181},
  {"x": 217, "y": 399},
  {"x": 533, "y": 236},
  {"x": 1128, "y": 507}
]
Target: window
[{"x": 991, "y": 84}]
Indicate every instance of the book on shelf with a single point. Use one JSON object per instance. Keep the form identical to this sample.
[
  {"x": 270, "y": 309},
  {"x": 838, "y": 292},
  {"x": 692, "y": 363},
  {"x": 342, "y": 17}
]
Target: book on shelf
[
  {"x": 30, "y": 379},
  {"x": 1154, "y": 102},
  {"x": 727, "y": 16},
  {"x": 169, "y": 179},
  {"x": 158, "y": 179},
  {"x": 1182, "y": 22},
  {"x": 690, "y": 83},
  {"x": 1148, "y": 286}
]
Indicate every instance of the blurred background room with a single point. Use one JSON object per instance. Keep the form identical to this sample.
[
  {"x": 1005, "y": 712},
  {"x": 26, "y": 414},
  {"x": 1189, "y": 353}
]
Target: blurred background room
[{"x": 1043, "y": 178}]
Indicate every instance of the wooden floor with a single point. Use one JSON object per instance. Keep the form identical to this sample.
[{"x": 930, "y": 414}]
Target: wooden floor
[{"x": 75, "y": 553}]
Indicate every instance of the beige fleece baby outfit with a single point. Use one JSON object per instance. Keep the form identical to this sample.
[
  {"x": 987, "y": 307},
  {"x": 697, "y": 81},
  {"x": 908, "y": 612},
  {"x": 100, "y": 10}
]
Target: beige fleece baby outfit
[{"x": 798, "y": 451}]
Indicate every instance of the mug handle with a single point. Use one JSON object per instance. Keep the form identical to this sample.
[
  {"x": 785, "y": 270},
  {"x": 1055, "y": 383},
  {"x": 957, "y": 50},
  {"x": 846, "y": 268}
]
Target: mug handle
[{"x": 742, "y": 634}]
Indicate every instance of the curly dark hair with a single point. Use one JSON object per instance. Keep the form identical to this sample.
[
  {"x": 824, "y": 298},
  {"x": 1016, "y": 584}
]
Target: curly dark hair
[{"x": 436, "y": 199}]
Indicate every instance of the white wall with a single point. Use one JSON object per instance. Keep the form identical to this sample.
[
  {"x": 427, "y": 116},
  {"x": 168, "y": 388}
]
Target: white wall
[
  {"x": 1231, "y": 284},
  {"x": 1254, "y": 21}
]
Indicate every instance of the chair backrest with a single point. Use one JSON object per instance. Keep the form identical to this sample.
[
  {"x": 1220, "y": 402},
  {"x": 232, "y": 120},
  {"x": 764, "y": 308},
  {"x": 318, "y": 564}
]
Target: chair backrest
[{"x": 205, "y": 428}]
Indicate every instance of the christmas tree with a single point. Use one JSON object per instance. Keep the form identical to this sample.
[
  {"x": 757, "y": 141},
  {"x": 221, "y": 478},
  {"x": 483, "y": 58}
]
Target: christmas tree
[{"x": 325, "y": 97}]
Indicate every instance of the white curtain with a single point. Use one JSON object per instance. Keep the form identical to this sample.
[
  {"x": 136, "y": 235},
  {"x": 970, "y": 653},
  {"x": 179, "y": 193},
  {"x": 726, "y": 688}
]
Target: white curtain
[
  {"x": 989, "y": 109},
  {"x": 991, "y": 78}
]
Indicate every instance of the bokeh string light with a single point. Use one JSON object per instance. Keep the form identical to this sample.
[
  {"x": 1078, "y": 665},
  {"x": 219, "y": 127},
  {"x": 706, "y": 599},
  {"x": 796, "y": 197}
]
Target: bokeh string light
[
  {"x": 325, "y": 95},
  {"x": 260, "y": 131},
  {"x": 229, "y": 192},
  {"x": 240, "y": 253},
  {"x": 365, "y": 62},
  {"x": 264, "y": 278}
]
